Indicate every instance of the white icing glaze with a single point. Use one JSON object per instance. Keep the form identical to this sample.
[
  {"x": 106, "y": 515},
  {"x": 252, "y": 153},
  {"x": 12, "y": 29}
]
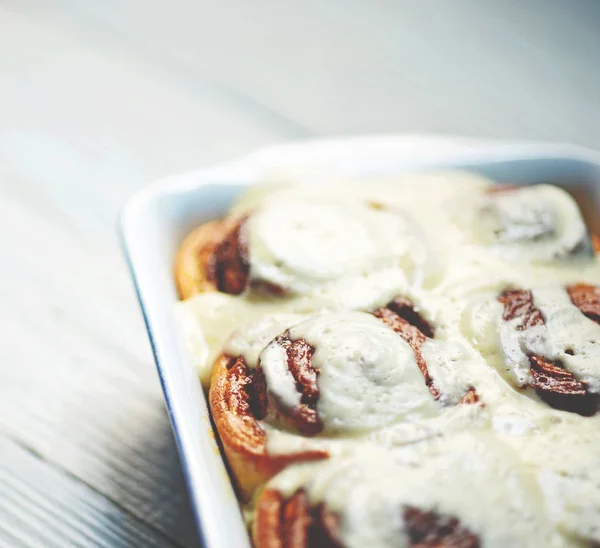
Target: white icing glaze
[
  {"x": 368, "y": 375},
  {"x": 453, "y": 363},
  {"x": 250, "y": 339},
  {"x": 208, "y": 319},
  {"x": 473, "y": 478},
  {"x": 446, "y": 363},
  {"x": 280, "y": 381},
  {"x": 535, "y": 223},
  {"x": 564, "y": 454},
  {"x": 462, "y": 284},
  {"x": 565, "y": 328},
  {"x": 428, "y": 196},
  {"x": 418, "y": 190},
  {"x": 301, "y": 245},
  {"x": 449, "y": 420}
]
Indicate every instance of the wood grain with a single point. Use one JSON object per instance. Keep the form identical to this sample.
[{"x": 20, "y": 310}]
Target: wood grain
[
  {"x": 82, "y": 127},
  {"x": 98, "y": 98},
  {"x": 41, "y": 506}
]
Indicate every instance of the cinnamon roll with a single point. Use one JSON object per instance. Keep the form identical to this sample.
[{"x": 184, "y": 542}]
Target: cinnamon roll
[
  {"x": 304, "y": 246},
  {"x": 402, "y": 363},
  {"x": 467, "y": 491},
  {"x": 328, "y": 379},
  {"x": 545, "y": 341},
  {"x": 527, "y": 223},
  {"x": 214, "y": 257}
]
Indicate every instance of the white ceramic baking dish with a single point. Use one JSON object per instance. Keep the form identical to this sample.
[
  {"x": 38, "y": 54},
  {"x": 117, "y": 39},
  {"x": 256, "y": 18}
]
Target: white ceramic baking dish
[{"x": 156, "y": 219}]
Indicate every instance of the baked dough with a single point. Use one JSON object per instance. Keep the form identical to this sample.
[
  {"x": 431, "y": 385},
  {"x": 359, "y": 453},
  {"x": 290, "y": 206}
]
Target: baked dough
[{"x": 428, "y": 344}]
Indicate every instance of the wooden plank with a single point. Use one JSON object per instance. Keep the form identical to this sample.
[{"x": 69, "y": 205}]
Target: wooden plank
[
  {"x": 41, "y": 507},
  {"x": 82, "y": 125}
]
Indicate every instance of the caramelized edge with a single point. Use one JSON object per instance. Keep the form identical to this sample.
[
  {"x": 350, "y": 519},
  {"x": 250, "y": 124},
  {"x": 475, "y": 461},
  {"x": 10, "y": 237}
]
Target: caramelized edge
[
  {"x": 191, "y": 260},
  {"x": 293, "y": 522},
  {"x": 244, "y": 441}
]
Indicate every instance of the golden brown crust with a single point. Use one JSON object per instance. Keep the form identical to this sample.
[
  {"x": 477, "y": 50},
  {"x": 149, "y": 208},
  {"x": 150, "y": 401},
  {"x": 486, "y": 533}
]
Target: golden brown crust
[
  {"x": 213, "y": 257},
  {"x": 293, "y": 523},
  {"x": 596, "y": 243},
  {"x": 192, "y": 259},
  {"x": 267, "y": 524},
  {"x": 244, "y": 441},
  {"x": 296, "y": 520}
]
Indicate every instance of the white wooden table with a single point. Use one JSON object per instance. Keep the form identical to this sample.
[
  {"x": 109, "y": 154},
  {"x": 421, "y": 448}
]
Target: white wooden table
[{"x": 99, "y": 97}]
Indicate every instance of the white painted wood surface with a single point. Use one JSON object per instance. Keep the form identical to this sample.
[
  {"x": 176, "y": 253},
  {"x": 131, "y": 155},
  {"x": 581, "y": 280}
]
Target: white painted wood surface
[{"x": 99, "y": 97}]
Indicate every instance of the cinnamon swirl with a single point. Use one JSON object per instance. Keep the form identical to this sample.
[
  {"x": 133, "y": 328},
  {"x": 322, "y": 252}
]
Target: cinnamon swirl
[
  {"x": 214, "y": 257},
  {"x": 467, "y": 491},
  {"x": 546, "y": 342},
  {"x": 330, "y": 379},
  {"x": 298, "y": 247},
  {"x": 403, "y": 363},
  {"x": 531, "y": 223}
]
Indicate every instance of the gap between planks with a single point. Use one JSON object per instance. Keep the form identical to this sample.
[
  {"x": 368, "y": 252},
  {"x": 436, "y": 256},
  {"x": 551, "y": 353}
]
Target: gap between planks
[{"x": 50, "y": 507}]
